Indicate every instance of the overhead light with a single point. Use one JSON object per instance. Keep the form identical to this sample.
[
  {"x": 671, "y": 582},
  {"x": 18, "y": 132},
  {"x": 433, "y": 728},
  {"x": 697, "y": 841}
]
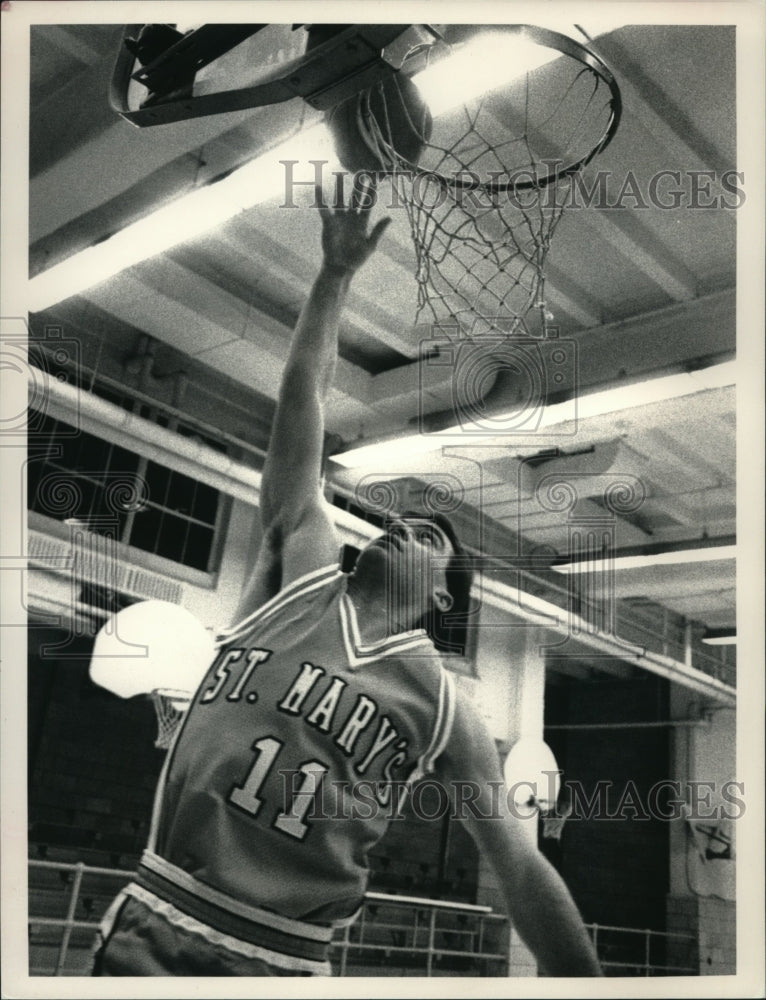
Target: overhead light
[
  {"x": 396, "y": 450},
  {"x": 595, "y": 404},
  {"x": 490, "y": 60},
  {"x": 673, "y": 557},
  {"x": 180, "y": 220},
  {"x": 720, "y": 637},
  {"x": 486, "y": 62}
]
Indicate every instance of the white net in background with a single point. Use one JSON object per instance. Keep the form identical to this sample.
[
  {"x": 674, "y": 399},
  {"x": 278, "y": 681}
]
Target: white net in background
[
  {"x": 170, "y": 707},
  {"x": 493, "y": 176}
]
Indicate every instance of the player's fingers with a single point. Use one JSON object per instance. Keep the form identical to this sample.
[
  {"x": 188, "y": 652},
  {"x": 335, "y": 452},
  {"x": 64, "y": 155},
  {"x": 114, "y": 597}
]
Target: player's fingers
[{"x": 378, "y": 231}]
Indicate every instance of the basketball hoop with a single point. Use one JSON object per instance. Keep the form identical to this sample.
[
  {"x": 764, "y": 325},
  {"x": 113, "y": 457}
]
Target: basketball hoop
[
  {"x": 151, "y": 645},
  {"x": 553, "y": 823},
  {"x": 532, "y": 775},
  {"x": 492, "y": 172},
  {"x": 170, "y": 706}
]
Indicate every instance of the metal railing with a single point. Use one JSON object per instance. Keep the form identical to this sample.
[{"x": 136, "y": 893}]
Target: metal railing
[
  {"x": 418, "y": 936},
  {"x": 73, "y": 874},
  {"x": 413, "y": 936},
  {"x": 429, "y": 935},
  {"x": 622, "y": 952}
]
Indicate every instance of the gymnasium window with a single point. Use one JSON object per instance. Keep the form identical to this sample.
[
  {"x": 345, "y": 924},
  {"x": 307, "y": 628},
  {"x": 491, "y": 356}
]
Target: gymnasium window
[{"x": 85, "y": 479}]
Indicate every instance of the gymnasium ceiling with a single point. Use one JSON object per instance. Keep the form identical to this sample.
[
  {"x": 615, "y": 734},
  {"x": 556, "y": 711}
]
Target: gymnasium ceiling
[{"x": 646, "y": 293}]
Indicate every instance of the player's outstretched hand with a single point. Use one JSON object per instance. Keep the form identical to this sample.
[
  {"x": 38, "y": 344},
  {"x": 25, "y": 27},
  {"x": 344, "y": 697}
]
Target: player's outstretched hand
[{"x": 346, "y": 244}]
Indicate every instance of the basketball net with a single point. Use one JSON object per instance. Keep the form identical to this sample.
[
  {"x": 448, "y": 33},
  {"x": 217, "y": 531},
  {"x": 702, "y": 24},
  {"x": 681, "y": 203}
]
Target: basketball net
[
  {"x": 484, "y": 270},
  {"x": 170, "y": 707},
  {"x": 491, "y": 183},
  {"x": 553, "y": 822}
]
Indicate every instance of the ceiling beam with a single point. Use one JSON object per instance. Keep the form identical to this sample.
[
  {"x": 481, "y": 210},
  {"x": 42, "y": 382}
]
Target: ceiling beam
[
  {"x": 667, "y": 123},
  {"x": 296, "y": 259},
  {"x": 622, "y": 230},
  {"x": 71, "y": 41},
  {"x": 208, "y": 324},
  {"x": 562, "y": 291},
  {"x": 677, "y": 338},
  {"x": 126, "y": 156},
  {"x": 638, "y": 244},
  {"x": 55, "y": 133},
  {"x": 600, "y": 644}
]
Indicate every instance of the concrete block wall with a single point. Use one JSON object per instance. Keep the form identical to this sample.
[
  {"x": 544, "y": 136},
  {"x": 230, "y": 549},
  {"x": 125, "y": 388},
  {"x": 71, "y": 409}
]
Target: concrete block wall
[
  {"x": 717, "y": 936},
  {"x": 712, "y": 922},
  {"x": 682, "y": 919}
]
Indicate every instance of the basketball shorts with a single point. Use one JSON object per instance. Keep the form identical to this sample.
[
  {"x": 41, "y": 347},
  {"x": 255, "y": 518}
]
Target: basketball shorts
[{"x": 136, "y": 940}]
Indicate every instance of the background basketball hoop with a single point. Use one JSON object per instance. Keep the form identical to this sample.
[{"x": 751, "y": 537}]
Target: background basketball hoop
[
  {"x": 553, "y": 822},
  {"x": 532, "y": 775},
  {"x": 170, "y": 707},
  {"x": 157, "y": 649}
]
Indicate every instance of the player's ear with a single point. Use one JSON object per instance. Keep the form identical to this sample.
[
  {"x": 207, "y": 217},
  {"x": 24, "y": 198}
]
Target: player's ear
[{"x": 442, "y": 599}]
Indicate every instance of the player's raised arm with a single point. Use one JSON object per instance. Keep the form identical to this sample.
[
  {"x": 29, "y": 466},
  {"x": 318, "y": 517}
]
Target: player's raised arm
[
  {"x": 297, "y": 534},
  {"x": 539, "y": 903}
]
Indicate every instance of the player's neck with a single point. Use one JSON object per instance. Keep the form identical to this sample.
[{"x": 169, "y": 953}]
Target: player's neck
[{"x": 375, "y": 619}]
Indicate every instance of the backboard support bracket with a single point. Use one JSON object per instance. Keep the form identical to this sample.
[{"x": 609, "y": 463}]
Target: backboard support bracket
[{"x": 349, "y": 62}]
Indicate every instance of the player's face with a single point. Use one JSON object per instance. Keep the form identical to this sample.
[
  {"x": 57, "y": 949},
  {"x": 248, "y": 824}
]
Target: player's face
[{"x": 415, "y": 553}]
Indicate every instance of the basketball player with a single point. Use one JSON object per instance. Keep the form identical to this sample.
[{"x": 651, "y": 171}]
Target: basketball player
[{"x": 325, "y": 704}]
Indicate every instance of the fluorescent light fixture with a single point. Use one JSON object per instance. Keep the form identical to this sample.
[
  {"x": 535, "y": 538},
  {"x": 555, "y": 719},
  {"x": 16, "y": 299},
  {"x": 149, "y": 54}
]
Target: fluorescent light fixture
[
  {"x": 657, "y": 390},
  {"x": 180, "y": 220},
  {"x": 490, "y": 60},
  {"x": 720, "y": 637},
  {"x": 678, "y": 557},
  {"x": 486, "y": 62},
  {"x": 389, "y": 453}
]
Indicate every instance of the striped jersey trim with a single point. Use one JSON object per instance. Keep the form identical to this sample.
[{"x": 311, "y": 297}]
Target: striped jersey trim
[
  {"x": 289, "y": 925},
  {"x": 159, "y": 794},
  {"x": 359, "y": 653},
  {"x": 285, "y": 936},
  {"x": 186, "y": 922},
  {"x": 303, "y": 585},
  {"x": 442, "y": 730}
]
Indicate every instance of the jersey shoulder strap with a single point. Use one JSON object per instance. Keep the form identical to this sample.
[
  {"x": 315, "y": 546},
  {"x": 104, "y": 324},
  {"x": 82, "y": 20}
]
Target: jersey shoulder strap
[
  {"x": 445, "y": 716},
  {"x": 307, "y": 584}
]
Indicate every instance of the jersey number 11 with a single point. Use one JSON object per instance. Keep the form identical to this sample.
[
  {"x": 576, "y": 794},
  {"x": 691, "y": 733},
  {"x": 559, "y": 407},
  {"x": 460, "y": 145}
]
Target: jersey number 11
[{"x": 245, "y": 796}]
